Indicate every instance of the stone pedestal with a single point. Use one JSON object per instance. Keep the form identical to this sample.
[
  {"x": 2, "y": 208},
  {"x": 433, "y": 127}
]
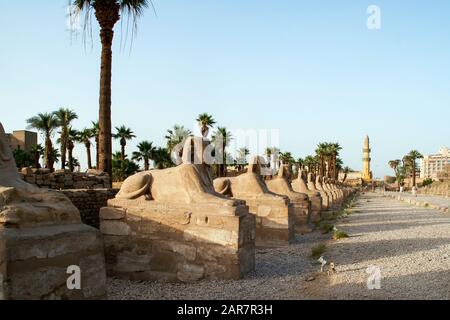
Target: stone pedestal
[
  {"x": 274, "y": 213},
  {"x": 46, "y": 252},
  {"x": 34, "y": 262},
  {"x": 147, "y": 240},
  {"x": 275, "y": 224}
]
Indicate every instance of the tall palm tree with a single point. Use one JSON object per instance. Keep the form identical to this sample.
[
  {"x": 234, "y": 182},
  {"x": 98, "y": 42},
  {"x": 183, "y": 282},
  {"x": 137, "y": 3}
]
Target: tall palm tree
[
  {"x": 221, "y": 139},
  {"x": 37, "y": 151},
  {"x": 95, "y": 133},
  {"x": 46, "y": 123},
  {"x": 414, "y": 155},
  {"x": 205, "y": 121},
  {"x": 123, "y": 134},
  {"x": 322, "y": 152},
  {"x": 65, "y": 117},
  {"x": 146, "y": 152},
  {"x": 72, "y": 136},
  {"x": 107, "y": 13},
  {"x": 394, "y": 165},
  {"x": 333, "y": 152},
  {"x": 175, "y": 138},
  {"x": 84, "y": 136}
]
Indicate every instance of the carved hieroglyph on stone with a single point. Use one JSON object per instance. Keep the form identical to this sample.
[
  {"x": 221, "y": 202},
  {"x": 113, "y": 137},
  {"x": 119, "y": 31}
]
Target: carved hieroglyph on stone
[
  {"x": 299, "y": 185},
  {"x": 171, "y": 225},
  {"x": 41, "y": 235},
  {"x": 273, "y": 212},
  {"x": 300, "y": 201}
]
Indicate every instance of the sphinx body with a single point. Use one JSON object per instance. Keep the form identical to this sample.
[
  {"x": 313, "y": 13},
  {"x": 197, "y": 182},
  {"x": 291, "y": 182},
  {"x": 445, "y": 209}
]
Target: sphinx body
[
  {"x": 300, "y": 201},
  {"x": 171, "y": 225},
  {"x": 331, "y": 196},
  {"x": 299, "y": 185},
  {"x": 273, "y": 212},
  {"x": 41, "y": 235},
  {"x": 311, "y": 184}
]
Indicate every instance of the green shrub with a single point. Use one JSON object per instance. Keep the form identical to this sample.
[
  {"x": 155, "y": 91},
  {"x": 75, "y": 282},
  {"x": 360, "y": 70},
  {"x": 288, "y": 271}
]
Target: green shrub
[{"x": 317, "y": 251}]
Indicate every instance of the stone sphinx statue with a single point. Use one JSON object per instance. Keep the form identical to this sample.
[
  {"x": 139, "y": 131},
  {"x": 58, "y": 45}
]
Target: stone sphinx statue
[
  {"x": 300, "y": 201},
  {"x": 312, "y": 186},
  {"x": 41, "y": 235},
  {"x": 329, "y": 185},
  {"x": 299, "y": 185},
  {"x": 273, "y": 212},
  {"x": 323, "y": 190},
  {"x": 171, "y": 224}
]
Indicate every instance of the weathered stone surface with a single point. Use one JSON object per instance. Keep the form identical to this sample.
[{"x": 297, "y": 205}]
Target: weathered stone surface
[
  {"x": 273, "y": 212},
  {"x": 41, "y": 236},
  {"x": 171, "y": 225},
  {"x": 300, "y": 201},
  {"x": 115, "y": 228},
  {"x": 190, "y": 272}
]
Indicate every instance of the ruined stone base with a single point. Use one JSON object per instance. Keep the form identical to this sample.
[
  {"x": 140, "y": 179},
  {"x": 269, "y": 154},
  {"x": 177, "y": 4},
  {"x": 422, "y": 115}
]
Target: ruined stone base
[
  {"x": 34, "y": 262},
  {"x": 173, "y": 242},
  {"x": 316, "y": 208},
  {"x": 302, "y": 216},
  {"x": 274, "y": 221}
]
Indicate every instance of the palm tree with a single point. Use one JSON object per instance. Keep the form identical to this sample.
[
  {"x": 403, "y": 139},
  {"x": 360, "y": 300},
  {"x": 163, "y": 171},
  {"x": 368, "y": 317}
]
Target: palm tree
[
  {"x": 175, "y": 138},
  {"x": 322, "y": 152},
  {"x": 221, "y": 139},
  {"x": 146, "y": 152},
  {"x": 65, "y": 117},
  {"x": 286, "y": 158},
  {"x": 107, "y": 13},
  {"x": 84, "y": 136},
  {"x": 413, "y": 156},
  {"x": 37, "y": 152},
  {"x": 162, "y": 159},
  {"x": 205, "y": 121},
  {"x": 95, "y": 133},
  {"x": 394, "y": 165},
  {"x": 72, "y": 136},
  {"x": 123, "y": 133},
  {"x": 46, "y": 123},
  {"x": 333, "y": 151}
]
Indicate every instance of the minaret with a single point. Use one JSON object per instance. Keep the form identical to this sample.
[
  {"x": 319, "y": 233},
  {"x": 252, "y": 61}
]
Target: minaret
[{"x": 366, "y": 173}]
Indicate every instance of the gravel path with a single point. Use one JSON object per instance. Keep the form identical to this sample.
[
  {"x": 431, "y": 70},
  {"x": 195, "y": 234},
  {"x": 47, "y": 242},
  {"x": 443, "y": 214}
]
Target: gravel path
[
  {"x": 278, "y": 275},
  {"x": 409, "y": 245}
]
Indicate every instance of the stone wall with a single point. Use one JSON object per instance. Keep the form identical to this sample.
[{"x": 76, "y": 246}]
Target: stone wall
[
  {"x": 89, "y": 202},
  {"x": 64, "y": 179},
  {"x": 169, "y": 243}
]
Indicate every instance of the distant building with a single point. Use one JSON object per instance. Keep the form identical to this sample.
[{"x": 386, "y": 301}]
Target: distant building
[
  {"x": 366, "y": 173},
  {"x": 22, "y": 139},
  {"x": 432, "y": 165}
]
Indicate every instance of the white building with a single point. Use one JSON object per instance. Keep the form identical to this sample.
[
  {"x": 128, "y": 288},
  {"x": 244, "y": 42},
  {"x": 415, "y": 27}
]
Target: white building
[{"x": 433, "y": 164}]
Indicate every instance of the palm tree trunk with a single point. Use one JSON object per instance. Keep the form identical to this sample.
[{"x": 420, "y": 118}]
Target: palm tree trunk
[
  {"x": 105, "y": 144},
  {"x": 414, "y": 172},
  {"x": 97, "y": 163},
  {"x": 146, "y": 164},
  {"x": 63, "y": 148},
  {"x": 48, "y": 153},
  {"x": 122, "y": 151},
  {"x": 88, "y": 154},
  {"x": 71, "y": 168}
]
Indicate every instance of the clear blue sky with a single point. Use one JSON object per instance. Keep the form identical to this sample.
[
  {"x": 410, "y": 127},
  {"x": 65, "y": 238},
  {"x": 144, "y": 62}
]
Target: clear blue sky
[{"x": 309, "y": 68}]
